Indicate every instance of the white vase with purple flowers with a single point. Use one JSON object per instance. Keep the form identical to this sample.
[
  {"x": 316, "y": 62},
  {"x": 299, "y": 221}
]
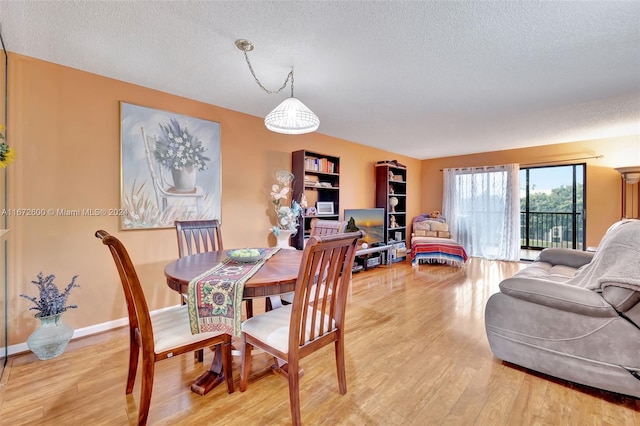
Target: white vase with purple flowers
[{"x": 51, "y": 338}]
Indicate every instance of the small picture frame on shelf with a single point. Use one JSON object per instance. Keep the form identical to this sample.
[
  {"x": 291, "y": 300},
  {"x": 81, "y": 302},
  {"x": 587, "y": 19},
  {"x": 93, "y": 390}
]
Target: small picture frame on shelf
[
  {"x": 398, "y": 236},
  {"x": 324, "y": 207}
]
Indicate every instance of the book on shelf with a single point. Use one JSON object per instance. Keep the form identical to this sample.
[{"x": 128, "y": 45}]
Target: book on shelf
[{"x": 315, "y": 164}]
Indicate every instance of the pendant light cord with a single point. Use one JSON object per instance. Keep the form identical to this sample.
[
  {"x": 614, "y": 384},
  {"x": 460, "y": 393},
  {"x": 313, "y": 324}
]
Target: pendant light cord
[{"x": 271, "y": 92}]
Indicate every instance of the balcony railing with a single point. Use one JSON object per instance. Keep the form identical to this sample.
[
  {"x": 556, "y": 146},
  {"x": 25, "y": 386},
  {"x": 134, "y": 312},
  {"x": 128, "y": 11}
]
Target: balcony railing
[{"x": 547, "y": 229}]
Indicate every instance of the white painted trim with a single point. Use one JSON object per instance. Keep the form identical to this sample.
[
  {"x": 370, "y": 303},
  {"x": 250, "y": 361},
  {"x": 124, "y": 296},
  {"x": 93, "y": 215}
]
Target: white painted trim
[{"x": 81, "y": 332}]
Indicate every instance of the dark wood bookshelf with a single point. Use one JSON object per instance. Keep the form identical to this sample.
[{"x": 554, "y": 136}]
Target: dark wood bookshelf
[
  {"x": 317, "y": 176},
  {"x": 391, "y": 188}
]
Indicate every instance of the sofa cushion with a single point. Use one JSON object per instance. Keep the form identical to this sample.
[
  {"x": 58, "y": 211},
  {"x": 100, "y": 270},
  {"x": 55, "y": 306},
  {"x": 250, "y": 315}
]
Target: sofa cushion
[{"x": 547, "y": 271}]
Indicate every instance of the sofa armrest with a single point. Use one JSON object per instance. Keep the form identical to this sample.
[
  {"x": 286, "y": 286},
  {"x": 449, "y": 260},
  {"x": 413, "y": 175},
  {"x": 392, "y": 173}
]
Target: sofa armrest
[
  {"x": 560, "y": 296},
  {"x": 620, "y": 298},
  {"x": 568, "y": 257}
]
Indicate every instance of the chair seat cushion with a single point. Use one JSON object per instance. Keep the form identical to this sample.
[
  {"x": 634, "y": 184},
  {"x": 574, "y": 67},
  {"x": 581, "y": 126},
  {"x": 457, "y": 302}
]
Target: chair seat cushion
[
  {"x": 273, "y": 327},
  {"x": 171, "y": 329}
]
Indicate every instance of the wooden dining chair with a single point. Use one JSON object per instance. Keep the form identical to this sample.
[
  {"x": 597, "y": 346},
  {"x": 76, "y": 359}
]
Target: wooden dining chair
[
  {"x": 319, "y": 227},
  {"x": 198, "y": 236},
  {"x": 159, "y": 335},
  {"x": 314, "y": 319},
  {"x": 328, "y": 227}
]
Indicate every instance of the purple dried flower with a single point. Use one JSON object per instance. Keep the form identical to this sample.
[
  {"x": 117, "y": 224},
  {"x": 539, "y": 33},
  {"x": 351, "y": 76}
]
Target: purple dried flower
[{"x": 51, "y": 301}]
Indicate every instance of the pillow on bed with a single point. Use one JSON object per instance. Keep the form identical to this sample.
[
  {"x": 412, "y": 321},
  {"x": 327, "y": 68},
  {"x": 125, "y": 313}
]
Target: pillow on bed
[
  {"x": 423, "y": 233},
  {"x": 443, "y": 234},
  {"x": 422, "y": 225},
  {"x": 437, "y": 226}
]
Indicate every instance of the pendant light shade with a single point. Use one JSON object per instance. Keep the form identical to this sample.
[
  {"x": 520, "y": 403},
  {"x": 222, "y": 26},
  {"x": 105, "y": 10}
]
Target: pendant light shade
[{"x": 292, "y": 117}]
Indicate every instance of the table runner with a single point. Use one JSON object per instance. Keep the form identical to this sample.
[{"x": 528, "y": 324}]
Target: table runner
[{"x": 214, "y": 298}]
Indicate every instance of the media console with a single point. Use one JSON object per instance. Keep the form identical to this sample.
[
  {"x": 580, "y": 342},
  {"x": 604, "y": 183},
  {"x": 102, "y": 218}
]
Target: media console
[{"x": 365, "y": 260}]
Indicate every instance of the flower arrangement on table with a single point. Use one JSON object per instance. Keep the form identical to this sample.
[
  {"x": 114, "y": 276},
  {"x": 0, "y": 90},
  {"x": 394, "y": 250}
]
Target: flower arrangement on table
[
  {"x": 178, "y": 149},
  {"x": 51, "y": 300},
  {"x": 7, "y": 154},
  {"x": 287, "y": 216}
]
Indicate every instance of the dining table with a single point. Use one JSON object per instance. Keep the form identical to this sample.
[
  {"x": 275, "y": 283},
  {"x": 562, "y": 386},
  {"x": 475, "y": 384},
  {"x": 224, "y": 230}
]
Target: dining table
[{"x": 275, "y": 277}]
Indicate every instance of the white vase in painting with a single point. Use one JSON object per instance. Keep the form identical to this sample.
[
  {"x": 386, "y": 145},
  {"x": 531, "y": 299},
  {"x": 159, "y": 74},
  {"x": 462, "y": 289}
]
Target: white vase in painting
[{"x": 184, "y": 180}]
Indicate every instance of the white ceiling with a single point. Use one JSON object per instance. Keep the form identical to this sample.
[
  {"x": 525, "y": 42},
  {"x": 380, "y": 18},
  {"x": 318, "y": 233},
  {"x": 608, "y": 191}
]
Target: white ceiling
[{"x": 425, "y": 79}]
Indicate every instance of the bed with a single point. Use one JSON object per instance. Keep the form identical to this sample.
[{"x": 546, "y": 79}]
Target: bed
[
  {"x": 432, "y": 243},
  {"x": 437, "y": 250}
]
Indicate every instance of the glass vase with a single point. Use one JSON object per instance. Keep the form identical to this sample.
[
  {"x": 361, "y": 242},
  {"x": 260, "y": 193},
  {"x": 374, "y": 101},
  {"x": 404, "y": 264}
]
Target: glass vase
[{"x": 51, "y": 338}]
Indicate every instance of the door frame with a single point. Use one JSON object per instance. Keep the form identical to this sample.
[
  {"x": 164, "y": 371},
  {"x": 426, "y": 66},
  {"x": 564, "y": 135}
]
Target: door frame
[{"x": 578, "y": 218}]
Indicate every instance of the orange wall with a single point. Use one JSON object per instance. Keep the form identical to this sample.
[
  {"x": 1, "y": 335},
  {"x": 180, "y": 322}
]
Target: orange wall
[
  {"x": 65, "y": 127},
  {"x": 603, "y": 198}
]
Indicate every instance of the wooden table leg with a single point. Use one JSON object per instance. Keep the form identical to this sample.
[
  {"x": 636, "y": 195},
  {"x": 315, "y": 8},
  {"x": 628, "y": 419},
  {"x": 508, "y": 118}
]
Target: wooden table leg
[{"x": 211, "y": 378}]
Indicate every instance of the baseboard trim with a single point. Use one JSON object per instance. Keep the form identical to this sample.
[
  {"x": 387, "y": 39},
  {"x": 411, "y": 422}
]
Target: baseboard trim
[{"x": 81, "y": 332}]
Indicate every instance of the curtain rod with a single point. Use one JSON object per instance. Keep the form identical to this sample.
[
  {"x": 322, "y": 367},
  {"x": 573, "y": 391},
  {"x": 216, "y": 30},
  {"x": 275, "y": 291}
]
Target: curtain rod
[
  {"x": 541, "y": 162},
  {"x": 597, "y": 157}
]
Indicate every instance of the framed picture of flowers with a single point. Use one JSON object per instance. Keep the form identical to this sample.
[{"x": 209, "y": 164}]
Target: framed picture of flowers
[{"x": 170, "y": 168}]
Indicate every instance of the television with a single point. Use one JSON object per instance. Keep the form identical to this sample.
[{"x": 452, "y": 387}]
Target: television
[{"x": 370, "y": 221}]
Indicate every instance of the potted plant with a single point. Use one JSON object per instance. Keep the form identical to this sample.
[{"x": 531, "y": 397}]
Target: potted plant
[
  {"x": 51, "y": 338},
  {"x": 182, "y": 153}
]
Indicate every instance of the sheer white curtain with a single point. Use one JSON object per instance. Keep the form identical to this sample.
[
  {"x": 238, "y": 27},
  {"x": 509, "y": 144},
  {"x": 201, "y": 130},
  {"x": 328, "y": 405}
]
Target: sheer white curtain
[{"x": 482, "y": 207}]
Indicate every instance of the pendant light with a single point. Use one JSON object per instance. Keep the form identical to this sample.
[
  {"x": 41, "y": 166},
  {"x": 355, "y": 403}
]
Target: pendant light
[{"x": 291, "y": 117}]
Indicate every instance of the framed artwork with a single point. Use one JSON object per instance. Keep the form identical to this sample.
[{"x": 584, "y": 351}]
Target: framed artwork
[
  {"x": 324, "y": 207},
  {"x": 170, "y": 168}
]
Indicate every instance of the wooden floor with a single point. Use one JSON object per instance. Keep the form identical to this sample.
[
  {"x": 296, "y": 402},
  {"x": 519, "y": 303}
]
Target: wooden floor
[{"x": 416, "y": 355}]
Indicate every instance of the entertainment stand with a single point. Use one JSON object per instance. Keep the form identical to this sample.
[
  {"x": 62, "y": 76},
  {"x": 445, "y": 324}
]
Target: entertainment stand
[{"x": 364, "y": 256}]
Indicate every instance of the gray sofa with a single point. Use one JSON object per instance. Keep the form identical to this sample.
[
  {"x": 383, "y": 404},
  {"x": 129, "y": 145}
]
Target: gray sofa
[{"x": 575, "y": 315}]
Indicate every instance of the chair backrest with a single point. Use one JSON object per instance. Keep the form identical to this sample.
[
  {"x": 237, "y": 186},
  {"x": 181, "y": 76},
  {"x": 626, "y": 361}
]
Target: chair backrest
[
  {"x": 198, "y": 236},
  {"x": 328, "y": 227},
  {"x": 318, "y": 310},
  {"x": 137, "y": 308}
]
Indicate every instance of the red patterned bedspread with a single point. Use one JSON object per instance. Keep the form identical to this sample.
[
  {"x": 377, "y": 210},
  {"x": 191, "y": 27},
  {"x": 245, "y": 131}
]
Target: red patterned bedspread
[{"x": 441, "y": 250}]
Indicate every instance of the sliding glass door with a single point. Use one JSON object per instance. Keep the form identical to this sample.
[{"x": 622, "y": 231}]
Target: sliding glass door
[{"x": 552, "y": 200}]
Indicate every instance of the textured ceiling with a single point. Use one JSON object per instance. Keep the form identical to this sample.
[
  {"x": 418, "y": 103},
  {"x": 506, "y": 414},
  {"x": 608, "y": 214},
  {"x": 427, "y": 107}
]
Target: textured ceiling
[{"x": 421, "y": 78}]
